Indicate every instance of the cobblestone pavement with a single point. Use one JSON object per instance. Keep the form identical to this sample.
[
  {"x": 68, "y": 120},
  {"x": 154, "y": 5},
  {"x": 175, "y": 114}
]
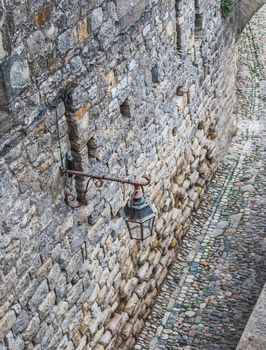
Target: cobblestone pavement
[{"x": 216, "y": 279}]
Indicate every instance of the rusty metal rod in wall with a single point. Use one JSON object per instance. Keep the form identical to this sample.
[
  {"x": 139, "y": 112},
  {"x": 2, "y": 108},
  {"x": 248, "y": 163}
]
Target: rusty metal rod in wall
[{"x": 107, "y": 178}]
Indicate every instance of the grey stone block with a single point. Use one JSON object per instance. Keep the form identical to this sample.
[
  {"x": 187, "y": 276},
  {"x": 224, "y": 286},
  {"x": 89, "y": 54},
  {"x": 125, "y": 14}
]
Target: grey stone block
[
  {"x": 65, "y": 41},
  {"x": 96, "y": 19},
  {"x": 38, "y": 296},
  {"x": 21, "y": 322},
  {"x": 6, "y": 323}
]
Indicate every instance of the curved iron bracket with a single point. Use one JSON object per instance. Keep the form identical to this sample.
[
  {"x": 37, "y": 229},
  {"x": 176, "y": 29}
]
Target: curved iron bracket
[{"x": 98, "y": 180}]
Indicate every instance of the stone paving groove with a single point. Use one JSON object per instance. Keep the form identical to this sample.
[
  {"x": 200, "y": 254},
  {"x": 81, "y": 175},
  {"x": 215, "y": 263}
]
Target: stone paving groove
[{"x": 220, "y": 270}]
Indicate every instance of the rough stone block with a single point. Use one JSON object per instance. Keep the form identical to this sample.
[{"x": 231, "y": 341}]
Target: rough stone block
[
  {"x": 45, "y": 307},
  {"x": 15, "y": 74},
  {"x": 21, "y": 322},
  {"x": 130, "y": 286},
  {"x": 129, "y": 12},
  {"x": 105, "y": 338},
  {"x": 80, "y": 33},
  {"x": 65, "y": 41},
  {"x": 42, "y": 15},
  {"x": 6, "y": 323},
  {"x": 38, "y": 296},
  {"x": 74, "y": 265},
  {"x": 132, "y": 304},
  {"x": 32, "y": 328},
  {"x": 96, "y": 19},
  {"x": 74, "y": 293}
]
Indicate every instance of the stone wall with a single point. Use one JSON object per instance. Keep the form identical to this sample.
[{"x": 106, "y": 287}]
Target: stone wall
[{"x": 150, "y": 89}]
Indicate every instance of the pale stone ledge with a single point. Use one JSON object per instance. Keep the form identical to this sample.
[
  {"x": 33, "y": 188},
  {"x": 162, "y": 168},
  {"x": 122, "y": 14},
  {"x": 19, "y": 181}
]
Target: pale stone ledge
[{"x": 254, "y": 336}]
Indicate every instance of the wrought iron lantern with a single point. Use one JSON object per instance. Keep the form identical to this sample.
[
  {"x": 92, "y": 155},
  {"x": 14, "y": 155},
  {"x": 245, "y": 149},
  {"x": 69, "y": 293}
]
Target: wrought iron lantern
[
  {"x": 139, "y": 215},
  {"x": 139, "y": 212}
]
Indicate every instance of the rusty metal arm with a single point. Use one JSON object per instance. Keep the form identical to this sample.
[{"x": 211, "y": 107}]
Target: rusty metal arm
[
  {"x": 102, "y": 178},
  {"x": 99, "y": 179}
]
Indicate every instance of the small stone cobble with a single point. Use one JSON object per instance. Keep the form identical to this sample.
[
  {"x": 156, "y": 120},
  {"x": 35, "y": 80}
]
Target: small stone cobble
[{"x": 217, "y": 276}]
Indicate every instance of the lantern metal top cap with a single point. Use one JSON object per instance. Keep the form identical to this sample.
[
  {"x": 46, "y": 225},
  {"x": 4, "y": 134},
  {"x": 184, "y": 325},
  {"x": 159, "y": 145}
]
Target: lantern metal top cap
[{"x": 139, "y": 210}]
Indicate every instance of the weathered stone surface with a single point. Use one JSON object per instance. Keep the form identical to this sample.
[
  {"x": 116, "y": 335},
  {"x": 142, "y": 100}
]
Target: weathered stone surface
[
  {"x": 65, "y": 41},
  {"x": 105, "y": 338},
  {"x": 6, "y": 323},
  {"x": 134, "y": 91},
  {"x": 32, "y": 328},
  {"x": 48, "y": 303},
  {"x": 38, "y": 296},
  {"x": 21, "y": 322},
  {"x": 96, "y": 19},
  {"x": 19, "y": 74},
  {"x": 42, "y": 15},
  {"x": 73, "y": 266}
]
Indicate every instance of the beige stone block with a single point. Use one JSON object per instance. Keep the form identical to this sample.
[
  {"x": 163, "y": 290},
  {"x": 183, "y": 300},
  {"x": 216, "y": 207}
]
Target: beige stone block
[
  {"x": 85, "y": 323},
  {"x": 80, "y": 32},
  {"x": 186, "y": 184},
  {"x": 159, "y": 225},
  {"x": 114, "y": 273},
  {"x": 149, "y": 300},
  {"x": 105, "y": 338},
  {"x": 167, "y": 204},
  {"x": 151, "y": 257},
  {"x": 115, "y": 324},
  {"x": 138, "y": 326},
  {"x": 127, "y": 331},
  {"x": 110, "y": 80},
  {"x": 200, "y": 134},
  {"x": 182, "y": 193},
  {"x": 82, "y": 343},
  {"x": 180, "y": 179},
  {"x": 99, "y": 347},
  {"x": 186, "y": 213},
  {"x": 143, "y": 272},
  {"x": 4, "y": 308},
  {"x": 178, "y": 232},
  {"x": 132, "y": 304},
  {"x": 174, "y": 188},
  {"x": 80, "y": 114},
  {"x": 117, "y": 281},
  {"x": 193, "y": 177},
  {"x": 166, "y": 241},
  {"x": 97, "y": 337},
  {"x": 141, "y": 289},
  {"x": 102, "y": 295},
  {"x": 194, "y": 165},
  {"x": 111, "y": 295},
  {"x": 170, "y": 30},
  {"x": 127, "y": 269},
  {"x": 143, "y": 256},
  {"x": 130, "y": 286},
  {"x": 161, "y": 277}
]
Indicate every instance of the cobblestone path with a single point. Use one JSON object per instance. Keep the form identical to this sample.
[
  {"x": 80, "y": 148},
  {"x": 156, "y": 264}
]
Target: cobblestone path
[{"x": 215, "y": 281}]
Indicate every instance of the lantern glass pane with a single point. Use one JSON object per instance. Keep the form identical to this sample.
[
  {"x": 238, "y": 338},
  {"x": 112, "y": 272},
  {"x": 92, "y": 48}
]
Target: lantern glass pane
[
  {"x": 134, "y": 230},
  {"x": 147, "y": 228}
]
